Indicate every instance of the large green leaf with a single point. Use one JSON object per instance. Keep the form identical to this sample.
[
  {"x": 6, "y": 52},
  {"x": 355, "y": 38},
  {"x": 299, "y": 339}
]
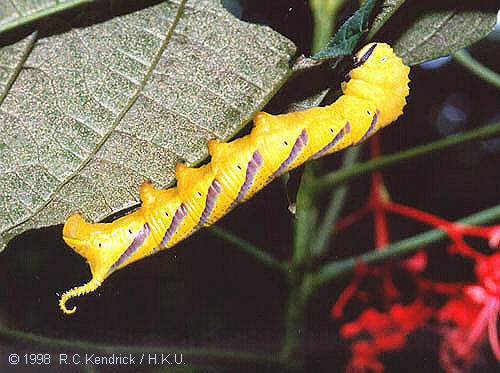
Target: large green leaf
[
  {"x": 94, "y": 107},
  {"x": 438, "y": 28}
]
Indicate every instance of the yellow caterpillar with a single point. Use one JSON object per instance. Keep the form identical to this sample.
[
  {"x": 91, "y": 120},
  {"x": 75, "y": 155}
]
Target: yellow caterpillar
[{"x": 374, "y": 96}]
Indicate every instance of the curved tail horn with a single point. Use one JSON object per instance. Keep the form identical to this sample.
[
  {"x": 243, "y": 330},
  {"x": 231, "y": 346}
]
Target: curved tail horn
[{"x": 75, "y": 292}]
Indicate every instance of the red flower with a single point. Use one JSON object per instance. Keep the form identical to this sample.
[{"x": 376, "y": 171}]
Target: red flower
[
  {"x": 460, "y": 311},
  {"x": 411, "y": 316},
  {"x": 472, "y": 310},
  {"x": 379, "y": 331},
  {"x": 475, "y": 314},
  {"x": 364, "y": 358}
]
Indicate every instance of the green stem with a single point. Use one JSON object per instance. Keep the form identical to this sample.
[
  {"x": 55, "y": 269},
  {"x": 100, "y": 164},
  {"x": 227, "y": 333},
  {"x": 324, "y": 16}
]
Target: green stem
[
  {"x": 307, "y": 215},
  {"x": 324, "y": 14},
  {"x": 195, "y": 352},
  {"x": 257, "y": 253},
  {"x": 343, "y": 175},
  {"x": 470, "y": 63},
  {"x": 22, "y": 20},
  {"x": 337, "y": 198},
  {"x": 295, "y": 319},
  {"x": 400, "y": 248}
]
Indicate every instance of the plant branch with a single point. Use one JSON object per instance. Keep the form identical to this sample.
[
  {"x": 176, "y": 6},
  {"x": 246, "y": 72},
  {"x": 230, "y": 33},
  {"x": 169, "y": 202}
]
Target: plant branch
[
  {"x": 343, "y": 175},
  {"x": 254, "y": 251},
  {"x": 465, "y": 59},
  {"x": 337, "y": 198},
  {"x": 307, "y": 216},
  {"x": 324, "y": 15},
  {"x": 195, "y": 353},
  {"x": 400, "y": 248}
]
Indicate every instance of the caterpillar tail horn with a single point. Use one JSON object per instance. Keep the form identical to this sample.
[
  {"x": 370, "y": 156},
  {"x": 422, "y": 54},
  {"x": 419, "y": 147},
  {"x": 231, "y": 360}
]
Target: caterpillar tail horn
[
  {"x": 77, "y": 291},
  {"x": 88, "y": 241}
]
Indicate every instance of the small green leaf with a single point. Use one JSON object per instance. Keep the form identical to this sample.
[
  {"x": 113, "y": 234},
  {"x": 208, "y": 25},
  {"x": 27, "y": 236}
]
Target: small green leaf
[{"x": 346, "y": 38}]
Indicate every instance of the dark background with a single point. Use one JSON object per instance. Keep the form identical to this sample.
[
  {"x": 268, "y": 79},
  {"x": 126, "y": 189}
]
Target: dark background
[{"x": 205, "y": 292}]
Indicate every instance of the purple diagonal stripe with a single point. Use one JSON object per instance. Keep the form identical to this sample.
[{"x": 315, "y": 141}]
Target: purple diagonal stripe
[
  {"x": 212, "y": 194},
  {"x": 370, "y": 129},
  {"x": 136, "y": 243},
  {"x": 179, "y": 215},
  {"x": 339, "y": 136},
  {"x": 255, "y": 162},
  {"x": 294, "y": 153}
]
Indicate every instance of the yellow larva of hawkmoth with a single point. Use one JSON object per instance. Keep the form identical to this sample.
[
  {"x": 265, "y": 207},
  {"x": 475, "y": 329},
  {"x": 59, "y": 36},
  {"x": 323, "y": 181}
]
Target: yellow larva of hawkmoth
[{"x": 374, "y": 96}]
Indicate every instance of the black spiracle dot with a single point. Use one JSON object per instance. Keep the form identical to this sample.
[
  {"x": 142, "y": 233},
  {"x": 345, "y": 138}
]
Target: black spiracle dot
[
  {"x": 285, "y": 142},
  {"x": 166, "y": 213},
  {"x": 238, "y": 167},
  {"x": 199, "y": 194},
  {"x": 99, "y": 245},
  {"x": 130, "y": 231},
  {"x": 368, "y": 112},
  {"x": 331, "y": 130}
]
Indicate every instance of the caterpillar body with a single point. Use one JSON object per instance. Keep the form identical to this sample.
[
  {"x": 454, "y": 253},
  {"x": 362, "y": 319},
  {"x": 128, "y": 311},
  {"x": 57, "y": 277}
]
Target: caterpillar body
[{"x": 374, "y": 96}]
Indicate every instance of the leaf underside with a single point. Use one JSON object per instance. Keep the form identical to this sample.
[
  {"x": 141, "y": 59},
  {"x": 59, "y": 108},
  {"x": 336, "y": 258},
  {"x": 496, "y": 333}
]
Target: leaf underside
[
  {"x": 439, "y": 28},
  {"x": 90, "y": 110}
]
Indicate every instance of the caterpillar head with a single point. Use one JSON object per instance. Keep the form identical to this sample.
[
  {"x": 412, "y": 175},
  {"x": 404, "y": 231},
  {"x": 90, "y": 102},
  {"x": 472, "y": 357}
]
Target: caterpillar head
[
  {"x": 379, "y": 76},
  {"x": 105, "y": 246}
]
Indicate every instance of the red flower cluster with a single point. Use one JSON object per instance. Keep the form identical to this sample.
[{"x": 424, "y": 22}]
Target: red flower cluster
[
  {"x": 468, "y": 315},
  {"x": 386, "y": 331},
  {"x": 473, "y": 315}
]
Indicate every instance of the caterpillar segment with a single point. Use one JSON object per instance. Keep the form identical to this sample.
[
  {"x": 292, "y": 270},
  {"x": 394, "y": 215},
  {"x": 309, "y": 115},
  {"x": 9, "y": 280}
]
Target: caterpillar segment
[
  {"x": 374, "y": 96},
  {"x": 166, "y": 214},
  {"x": 238, "y": 167}
]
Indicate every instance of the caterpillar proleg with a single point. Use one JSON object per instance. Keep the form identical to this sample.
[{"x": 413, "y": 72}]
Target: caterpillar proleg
[{"x": 374, "y": 96}]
